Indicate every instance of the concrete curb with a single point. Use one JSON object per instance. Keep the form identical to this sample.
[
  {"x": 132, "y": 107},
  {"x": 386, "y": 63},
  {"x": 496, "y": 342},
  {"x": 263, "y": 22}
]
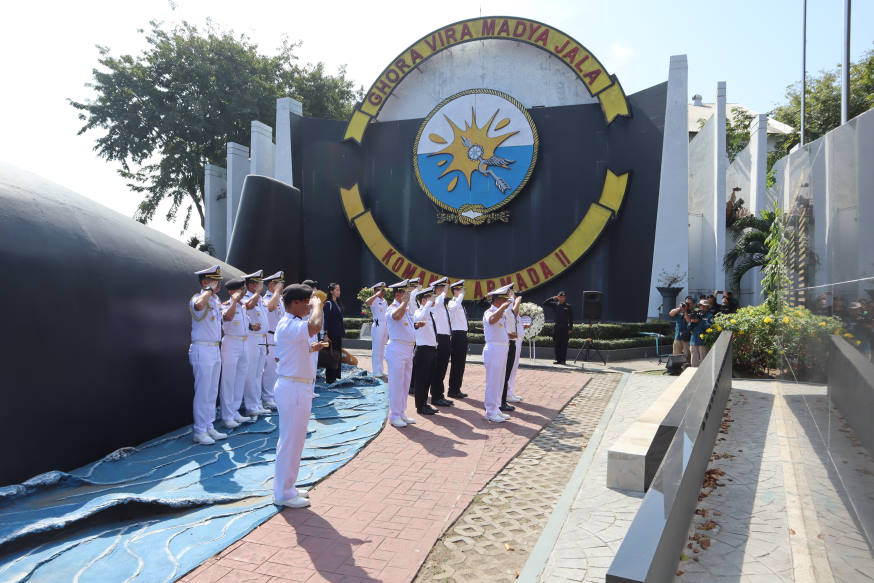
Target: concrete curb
[{"x": 543, "y": 549}]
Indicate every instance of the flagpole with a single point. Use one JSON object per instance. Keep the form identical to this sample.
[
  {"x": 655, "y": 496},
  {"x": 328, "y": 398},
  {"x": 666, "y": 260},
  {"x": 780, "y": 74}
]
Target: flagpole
[
  {"x": 803, "y": 68},
  {"x": 845, "y": 67}
]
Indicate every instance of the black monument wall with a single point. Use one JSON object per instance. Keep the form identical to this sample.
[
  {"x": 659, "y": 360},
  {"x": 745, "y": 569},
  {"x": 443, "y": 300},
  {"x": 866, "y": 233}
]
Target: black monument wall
[{"x": 96, "y": 328}]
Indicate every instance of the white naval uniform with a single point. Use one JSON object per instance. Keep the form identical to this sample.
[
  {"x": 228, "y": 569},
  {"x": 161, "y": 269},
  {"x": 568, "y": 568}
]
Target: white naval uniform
[
  {"x": 520, "y": 333},
  {"x": 268, "y": 379},
  {"x": 294, "y": 397},
  {"x": 495, "y": 360},
  {"x": 205, "y": 357},
  {"x": 256, "y": 351},
  {"x": 379, "y": 335},
  {"x": 235, "y": 362},
  {"x": 399, "y": 356}
]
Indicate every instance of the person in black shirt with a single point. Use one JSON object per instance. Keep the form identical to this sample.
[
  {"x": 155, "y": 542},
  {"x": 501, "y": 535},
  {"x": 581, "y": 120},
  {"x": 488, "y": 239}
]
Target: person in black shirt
[
  {"x": 333, "y": 316},
  {"x": 564, "y": 323}
]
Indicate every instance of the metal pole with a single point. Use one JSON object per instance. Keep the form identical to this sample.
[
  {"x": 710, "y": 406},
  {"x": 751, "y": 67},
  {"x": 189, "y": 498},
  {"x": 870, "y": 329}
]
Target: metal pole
[
  {"x": 803, "y": 68},
  {"x": 845, "y": 67}
]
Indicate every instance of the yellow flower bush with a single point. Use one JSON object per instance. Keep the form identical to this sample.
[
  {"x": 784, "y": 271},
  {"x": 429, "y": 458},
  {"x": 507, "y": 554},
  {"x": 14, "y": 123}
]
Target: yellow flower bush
[
  {"x": 768, "y": 320},
  {"x": 785, "y": 319}
]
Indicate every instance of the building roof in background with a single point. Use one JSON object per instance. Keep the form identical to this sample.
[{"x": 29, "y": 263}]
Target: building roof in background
[{"x": 705, "y": 110}]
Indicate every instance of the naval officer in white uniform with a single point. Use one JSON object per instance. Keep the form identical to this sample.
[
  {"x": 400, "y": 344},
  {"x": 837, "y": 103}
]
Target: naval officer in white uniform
[
  {"x": 443, "y": 328},
  {"x": 458, "y": 344},
  {"x": 204, "y": 354},
  {"x": 271, "y": 303},
  {"x": 379, "y": 329},
  {"x": 256, "y": 346},
  {"x": 296, "y": 377},
  {"x": 399, "y": 354},
  {"x": 495, "y": 353},
  {"x": 512, "y": 396},
  {"x": 235, "y": 326}
]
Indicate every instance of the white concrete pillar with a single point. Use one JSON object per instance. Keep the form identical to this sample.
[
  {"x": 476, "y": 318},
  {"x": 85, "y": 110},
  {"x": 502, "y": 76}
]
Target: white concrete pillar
[
  {"x": 238, "y": 169},
  {"x": 215, "y": 199},
  {"x": 262, "y": 149},
  {"x": 758, "y": 186},
  {"x": 285, "y": 108},
  {"x": 671, "y": 235},
  {"x": 720, "y": 165}
]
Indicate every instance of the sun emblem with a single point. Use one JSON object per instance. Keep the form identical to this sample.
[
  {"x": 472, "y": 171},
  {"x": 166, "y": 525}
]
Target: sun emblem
[{"x": 470, "y": 169}]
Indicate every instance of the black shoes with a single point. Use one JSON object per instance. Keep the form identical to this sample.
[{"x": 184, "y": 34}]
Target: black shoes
[
  {"x": 427, "y": 410},
  {"x": 412, "y": 391},
  {"x": 506, "y": 407},
  {"x": 457, "y": 395},
  {"x": 441, "y": 402}
]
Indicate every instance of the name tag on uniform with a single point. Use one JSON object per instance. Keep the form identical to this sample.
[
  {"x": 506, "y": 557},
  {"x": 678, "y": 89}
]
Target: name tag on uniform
[
  {"x": 500, "y": 325},
  {"x": 212, "y": 318}
]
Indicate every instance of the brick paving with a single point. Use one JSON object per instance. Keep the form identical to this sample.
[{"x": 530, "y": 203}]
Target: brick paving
[
  {"x": 378, "y": 517},
  {"x": 492, "y": 539}
]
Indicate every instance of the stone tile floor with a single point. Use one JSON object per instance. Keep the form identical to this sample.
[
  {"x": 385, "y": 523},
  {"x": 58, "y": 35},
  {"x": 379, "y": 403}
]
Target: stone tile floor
[
  {"x": 493, "y": 537},
  {"x": 379, "y": 516}
]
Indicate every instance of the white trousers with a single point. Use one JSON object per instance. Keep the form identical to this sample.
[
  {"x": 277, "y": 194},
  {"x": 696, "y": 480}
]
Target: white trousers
[
  {"x": 255, "y": 352},
  {"x": 511, "y": 382},
  {"x": 235, "y": 364},
  {"x": 400, "y": 369},
  {"x": 495, "y": 360},
  {"x": 379, "y": 336},
  {"x": 294, "y": 402},
  {"x": 206, "y": 361},
  {"x": 268, "y": 379}
]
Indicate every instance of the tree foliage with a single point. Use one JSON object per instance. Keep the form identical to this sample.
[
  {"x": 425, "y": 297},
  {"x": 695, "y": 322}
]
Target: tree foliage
[
  {"x": 171, "y": 109},
  {"x": 775, "y": 278},
  {"x": 823, "y": 104},
  {"x": 749, "y": 251}
]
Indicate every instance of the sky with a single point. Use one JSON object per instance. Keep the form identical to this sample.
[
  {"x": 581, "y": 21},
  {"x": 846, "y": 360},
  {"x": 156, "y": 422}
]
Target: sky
[{"x": 49, "y": 50}]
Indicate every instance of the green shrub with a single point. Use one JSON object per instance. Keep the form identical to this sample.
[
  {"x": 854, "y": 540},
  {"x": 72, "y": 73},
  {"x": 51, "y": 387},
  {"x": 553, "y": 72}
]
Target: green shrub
[
  {"x": 354, "y": 323},
  {"x": 763, "y": 342},
  {"x": 352, "y": 333}
]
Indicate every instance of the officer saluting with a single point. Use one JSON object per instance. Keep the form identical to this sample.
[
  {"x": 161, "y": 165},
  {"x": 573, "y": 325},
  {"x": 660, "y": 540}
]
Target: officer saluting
[
  {"x": 495, "y": 352},
  {"x": 399, "y": 354},
  {"x": 379, "y": 329},
  {"x": 458, "y": 340},
  {"x": 204, "y": 354},
  {"x": 271, "y": 304},
  {"x": 235, "y": 325},
  {"x": 443, "y": 328},
  {"x": 564, "y": 323},
  {"x": 426, "y": 351},
  {"x": 256, "y": 347}
]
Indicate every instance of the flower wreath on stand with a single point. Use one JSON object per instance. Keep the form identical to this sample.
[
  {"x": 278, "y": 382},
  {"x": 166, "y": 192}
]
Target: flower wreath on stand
[{"x": 534, "y": 312}]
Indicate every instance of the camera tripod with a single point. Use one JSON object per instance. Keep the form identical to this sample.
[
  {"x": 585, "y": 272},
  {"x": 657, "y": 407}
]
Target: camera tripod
[{"x": 589, "y": 346}]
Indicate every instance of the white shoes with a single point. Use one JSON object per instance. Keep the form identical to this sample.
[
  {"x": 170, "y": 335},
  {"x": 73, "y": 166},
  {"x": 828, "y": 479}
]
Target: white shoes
[
  {"x": 398, "y": 423},
  {"x": 514, "y": 399},
  {"x": 203, "y": 439},
  {"x": 495, "y": 418},
  {"x": 504, "y": 415},
  {"x": 408, "y": 420},
  {"x": 299, "y": 502},
  {"x": 270, "y": 405},
  {"x": 253, "y": 413},
  {"x": 230, "y": 423},
  {"x": 241, "y": 419},
  {"x": 216, "y": 435},
  {"x": 302, "y": 493}
]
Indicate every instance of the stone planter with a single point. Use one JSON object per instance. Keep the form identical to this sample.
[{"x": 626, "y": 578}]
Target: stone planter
[{"x": 669, "y": 300}]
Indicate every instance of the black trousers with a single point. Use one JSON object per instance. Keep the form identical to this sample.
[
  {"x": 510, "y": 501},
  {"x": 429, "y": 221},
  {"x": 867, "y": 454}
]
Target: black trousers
[
  {"x": 560, "y": 336},
  {"x": 333, "y": 374},
  {"x": 440, "y": 365},
  {"x": 423, "y": 368},
  {"x": 511, "y": 358},
  {"x": 458, "y": 358}
]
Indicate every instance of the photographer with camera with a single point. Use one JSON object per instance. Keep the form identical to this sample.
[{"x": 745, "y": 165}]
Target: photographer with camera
[
  {"x": 698, "y": 321},
  {"x": 681, "y": 328}
]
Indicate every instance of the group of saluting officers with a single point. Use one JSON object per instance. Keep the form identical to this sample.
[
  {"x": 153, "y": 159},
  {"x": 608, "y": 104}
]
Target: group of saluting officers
[
  {"x": 257, "y": 353},
  {"x": 424, "y": 332}
]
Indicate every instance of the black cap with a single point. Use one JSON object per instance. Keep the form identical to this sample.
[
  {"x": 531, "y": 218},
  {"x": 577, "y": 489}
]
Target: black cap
[
  {"x": 235, "y": 283},
  {"x": 296, "y": 291}
]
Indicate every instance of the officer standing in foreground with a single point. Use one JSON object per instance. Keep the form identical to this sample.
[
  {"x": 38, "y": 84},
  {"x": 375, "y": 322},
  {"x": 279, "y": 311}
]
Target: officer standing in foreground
[
  {"x": 204, "y": 354},
  {"x": 235, "y": 326},
  {"x": 271, "y": 303},
  {"x": 495, "y": 353},
  {"x": 443, "y": 327},
  {"x": 379, "y": 329},
  {"x": 564, "y": 323},
  {"x": 458, "y": 341},
  {"x": 511, "y": 324},
  {"x": 399, "y": 354},
  {"x": 256, "y": 346},
  {"x": 294, "y": 389},
  {"x": 512, "y": 397},
  {"x": 426, "y": 350}
]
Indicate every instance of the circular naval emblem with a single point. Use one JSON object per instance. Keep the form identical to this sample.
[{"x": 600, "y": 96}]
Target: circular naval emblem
[{"x": 474, "y": 153}]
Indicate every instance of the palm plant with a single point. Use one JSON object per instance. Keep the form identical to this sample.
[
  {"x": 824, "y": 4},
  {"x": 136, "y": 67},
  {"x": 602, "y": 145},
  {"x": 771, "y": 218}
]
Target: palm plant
[{"x": 749, "y": 249}]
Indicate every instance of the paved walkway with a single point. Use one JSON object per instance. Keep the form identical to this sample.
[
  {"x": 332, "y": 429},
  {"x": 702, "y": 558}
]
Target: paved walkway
[
  {"x": 492, "y": 539},
  {"x": 379, "y": 516}
]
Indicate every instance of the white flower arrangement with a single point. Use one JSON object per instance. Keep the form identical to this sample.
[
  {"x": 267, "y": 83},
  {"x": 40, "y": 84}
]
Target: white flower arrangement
[{"x": 534, "y": 312}]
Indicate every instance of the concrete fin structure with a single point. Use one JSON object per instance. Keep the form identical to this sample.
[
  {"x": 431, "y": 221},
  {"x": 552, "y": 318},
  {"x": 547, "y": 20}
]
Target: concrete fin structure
[
  {"x": 671, "y": 250},
  {"x": 215, "y": 196},
  {"x": 238, "y": 169},
  {"x": 758, "y": 189},
  {"x": 720, "y": 165}
]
